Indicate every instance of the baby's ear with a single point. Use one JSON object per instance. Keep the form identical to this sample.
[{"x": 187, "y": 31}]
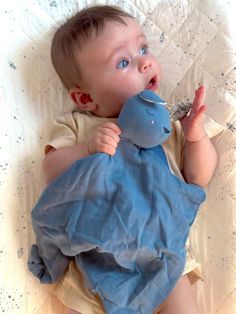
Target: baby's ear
[{"x": 81, "y": 99}]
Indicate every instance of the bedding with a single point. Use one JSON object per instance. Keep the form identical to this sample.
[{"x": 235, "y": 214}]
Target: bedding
[{"x": 195, "y": 43}]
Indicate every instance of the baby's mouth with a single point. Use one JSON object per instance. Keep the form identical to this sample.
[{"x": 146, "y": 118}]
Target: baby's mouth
[{"x": 152, "y": 84}]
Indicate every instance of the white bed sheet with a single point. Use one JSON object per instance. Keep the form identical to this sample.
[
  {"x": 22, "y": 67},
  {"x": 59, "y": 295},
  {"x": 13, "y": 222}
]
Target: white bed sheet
[{"x": 195, "y": 42}]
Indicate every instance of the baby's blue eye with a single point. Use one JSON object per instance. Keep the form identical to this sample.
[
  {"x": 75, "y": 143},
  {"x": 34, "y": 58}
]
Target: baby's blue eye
[
  {"x": 144, "y": 50},
  {"x": 122, "y": 64}
]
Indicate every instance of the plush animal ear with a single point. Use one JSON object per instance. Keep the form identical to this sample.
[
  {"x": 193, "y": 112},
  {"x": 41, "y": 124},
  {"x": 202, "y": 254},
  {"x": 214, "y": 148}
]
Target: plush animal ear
[{"x": 81, "y": 99}]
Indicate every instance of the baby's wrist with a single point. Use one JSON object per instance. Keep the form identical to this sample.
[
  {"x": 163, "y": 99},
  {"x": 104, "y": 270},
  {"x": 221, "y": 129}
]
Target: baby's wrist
[
  {"x": 196, "y": 138},
  {"x": 82, "y": 149}
]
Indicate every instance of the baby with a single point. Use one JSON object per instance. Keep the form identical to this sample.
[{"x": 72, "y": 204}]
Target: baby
[{"x": 102, "y": 57}]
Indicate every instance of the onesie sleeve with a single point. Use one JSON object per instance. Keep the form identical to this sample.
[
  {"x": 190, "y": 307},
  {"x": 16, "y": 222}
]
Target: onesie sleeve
[
  {"x": 64, "y": 132},
  {"x": 174, "y": 148},
  {"x": 72, "y": 128}
]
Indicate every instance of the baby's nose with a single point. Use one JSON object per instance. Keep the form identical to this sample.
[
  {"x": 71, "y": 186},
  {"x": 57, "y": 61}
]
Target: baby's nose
[{"x": 144, "y": 64}]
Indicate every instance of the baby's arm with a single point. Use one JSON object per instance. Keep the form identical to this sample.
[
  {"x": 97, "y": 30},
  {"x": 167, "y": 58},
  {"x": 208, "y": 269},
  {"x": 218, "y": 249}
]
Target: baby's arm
[
  {"x": 103, "y": 140},
  {"x": 200, "y": 157}
]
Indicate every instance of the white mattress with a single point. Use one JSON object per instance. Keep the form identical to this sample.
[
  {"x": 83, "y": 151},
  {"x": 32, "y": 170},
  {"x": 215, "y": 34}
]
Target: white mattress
[{"x": 195, "y": 42}]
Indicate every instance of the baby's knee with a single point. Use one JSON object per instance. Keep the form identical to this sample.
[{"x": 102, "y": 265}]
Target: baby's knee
[{"x": 181, "y": 299}]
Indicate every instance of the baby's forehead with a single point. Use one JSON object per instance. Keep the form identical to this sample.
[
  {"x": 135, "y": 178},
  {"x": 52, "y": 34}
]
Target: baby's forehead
[
  {"x": 126, "y": 23},
  {"x": 115, "y": 31},
  {"x": 114, "y": 35}
]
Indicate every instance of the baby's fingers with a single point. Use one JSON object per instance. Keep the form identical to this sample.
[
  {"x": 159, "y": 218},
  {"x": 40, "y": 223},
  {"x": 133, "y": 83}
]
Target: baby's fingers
[
  {"x": 108, "y": 145},
  {"x": 198, "y": 99},
  {"x": 110, "y": 134},
  {"x": 111, "y": 126},
  {"x": 106, "y": 148}
]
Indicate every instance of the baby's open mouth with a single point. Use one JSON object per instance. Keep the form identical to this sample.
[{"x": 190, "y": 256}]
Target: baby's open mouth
[{"x": 152, "y": 84}]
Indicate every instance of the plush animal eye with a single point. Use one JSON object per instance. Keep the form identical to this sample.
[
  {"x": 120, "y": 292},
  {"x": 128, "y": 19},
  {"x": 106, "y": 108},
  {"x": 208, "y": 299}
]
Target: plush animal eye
[
  {"x": 144, "y": 50},
  {"x": 123, "y": 64}
]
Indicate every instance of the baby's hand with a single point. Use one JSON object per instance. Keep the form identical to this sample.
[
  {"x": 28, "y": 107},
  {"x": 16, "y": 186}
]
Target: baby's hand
[
  {"x": 193, "y": 123},
  {"x": 104, "y": 139}
]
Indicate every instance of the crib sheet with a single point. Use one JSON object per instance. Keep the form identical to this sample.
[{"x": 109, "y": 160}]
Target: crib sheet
[{"x": 195, "y": 42}]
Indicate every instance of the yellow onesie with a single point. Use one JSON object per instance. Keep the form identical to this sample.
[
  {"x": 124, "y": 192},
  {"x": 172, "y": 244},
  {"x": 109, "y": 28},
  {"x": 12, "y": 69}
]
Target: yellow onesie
[{"x": 69, "y": 130}]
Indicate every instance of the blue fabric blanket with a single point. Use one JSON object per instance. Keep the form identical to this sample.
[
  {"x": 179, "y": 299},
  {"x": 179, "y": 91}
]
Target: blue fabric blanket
[{"x": 125, "y": 219}]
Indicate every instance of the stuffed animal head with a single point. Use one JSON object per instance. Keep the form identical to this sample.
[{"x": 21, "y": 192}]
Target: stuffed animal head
[{"x": 145, "y": 120}]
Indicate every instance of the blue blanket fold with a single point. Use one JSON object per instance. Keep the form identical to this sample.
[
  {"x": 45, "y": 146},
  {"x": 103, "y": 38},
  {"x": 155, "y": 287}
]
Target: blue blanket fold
[{"x": 130, "y": 242}]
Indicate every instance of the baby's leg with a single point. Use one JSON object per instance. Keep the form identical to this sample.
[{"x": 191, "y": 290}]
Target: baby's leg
[{"x": 181, "y": 300}]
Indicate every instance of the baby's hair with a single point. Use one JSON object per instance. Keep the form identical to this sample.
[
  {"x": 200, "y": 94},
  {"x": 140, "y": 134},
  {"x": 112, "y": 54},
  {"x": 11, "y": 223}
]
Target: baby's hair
[{"x": 74, "y": 33}]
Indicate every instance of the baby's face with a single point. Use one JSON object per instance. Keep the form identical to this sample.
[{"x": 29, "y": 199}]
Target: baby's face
[{"x": 116, "y": 65}]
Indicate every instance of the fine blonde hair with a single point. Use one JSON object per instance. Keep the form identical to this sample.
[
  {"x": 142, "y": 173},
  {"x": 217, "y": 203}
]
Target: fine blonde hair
[{"x": 74, "y": 33}]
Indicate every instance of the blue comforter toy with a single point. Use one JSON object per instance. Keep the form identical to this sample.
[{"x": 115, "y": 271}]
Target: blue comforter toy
[{"x": 125, "y": 219}]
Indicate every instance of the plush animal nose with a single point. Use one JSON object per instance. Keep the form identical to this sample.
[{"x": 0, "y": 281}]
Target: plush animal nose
[
  {"x": 166, "y": 130},
  {"x": 144, "y": 64}
]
